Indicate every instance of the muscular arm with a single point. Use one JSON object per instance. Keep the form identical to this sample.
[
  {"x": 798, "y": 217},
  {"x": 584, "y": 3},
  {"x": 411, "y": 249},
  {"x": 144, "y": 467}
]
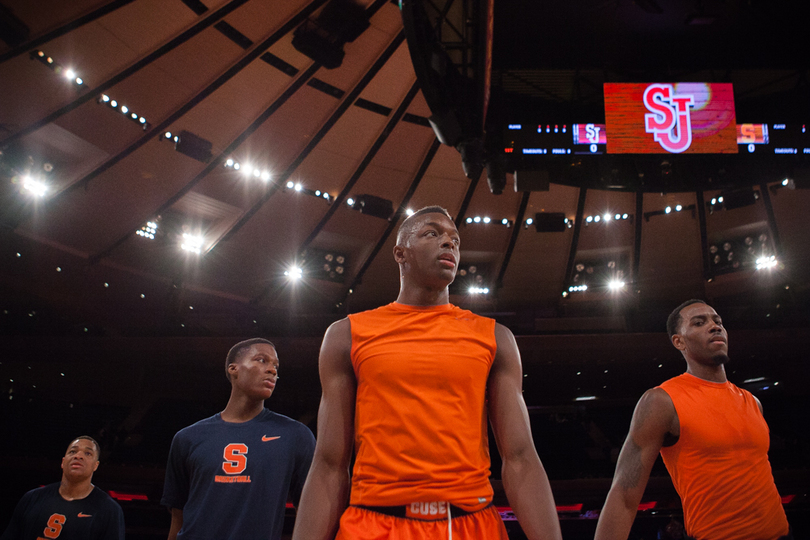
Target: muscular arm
[
  {"x": 327, "y": 487},
  {"x": 524, "y": 478},
  {"x": 177, "y": 523},
  {"x": 653, "y": 419}
]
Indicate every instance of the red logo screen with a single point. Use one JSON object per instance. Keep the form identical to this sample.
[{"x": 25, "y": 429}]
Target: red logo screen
[{"x": 670, "y": 118}]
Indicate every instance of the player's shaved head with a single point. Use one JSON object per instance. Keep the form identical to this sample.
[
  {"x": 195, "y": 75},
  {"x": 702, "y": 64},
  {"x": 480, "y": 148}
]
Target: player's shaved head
[
  {"x": 408, "y": 227},
  {"x": 87, "y": 438},
  {"x": 237, "y": 350}
]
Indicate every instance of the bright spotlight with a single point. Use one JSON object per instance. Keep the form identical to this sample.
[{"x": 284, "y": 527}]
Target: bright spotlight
[
  {"x": 298, "y": 187},
  {"x": 192, "y": 243},
  {"x": 529, "y": 221},
  {"x": 113, "y": 104},
  {"x": 36, "y": 188},
  {"x": 668, "y": 209},
  {"x": 478, "y": 290},
  {"x": 678, "y": 208},
  {"x": 142, "y": 120},
  {"x": 487, "y": 220},
  {"x": 589, "y": 219},
  {"x": 70, "y": 74},
  {"x": 349, "y": 201},
  {"x": 785, "y": 182},
  {"x": 229, "y": 162},
  {"x": 477, "y": 219},
  {"x": 290, "y": 184},
  {"x": 597, "y": 219},
  {"x": 168, "y": 135},
  {"x": 625, "y": 216},
  {"x": 766, "y": 262},
  {"x": 124, "y": 109},
  {"x": 504, "y": 221},
  {"x": 617, "y": 217},
  {"x": 266, "y": 176},
  {"x": 79, "y": 80},
  {"x": 409, "y": 212},
  {"x": 257, "y": 173},
  {"x": 606, "y": 217},
  {"x": 294, "y": 273},
  {"x": 615, "y": 285},
  {"x": 469, "y": 220},
  {"x": 105, "y": 98},
  {"x": 247, "y": 170}
]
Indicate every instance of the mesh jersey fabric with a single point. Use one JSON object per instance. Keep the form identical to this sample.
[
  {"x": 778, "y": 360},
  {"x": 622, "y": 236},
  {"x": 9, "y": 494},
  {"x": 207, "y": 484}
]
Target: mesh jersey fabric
[
  {"x": 420, "y": 415},
  {"x": 719, "y": 465},
  {"x": 232, "y": 480},
  {"x": 43, "y": 513}
]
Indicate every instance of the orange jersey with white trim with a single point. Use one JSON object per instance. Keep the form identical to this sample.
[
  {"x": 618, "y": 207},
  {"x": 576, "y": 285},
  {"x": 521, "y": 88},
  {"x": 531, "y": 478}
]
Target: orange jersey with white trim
[
  {"x": 420, "y": 417},
  {"x": 719, "y": 465}
]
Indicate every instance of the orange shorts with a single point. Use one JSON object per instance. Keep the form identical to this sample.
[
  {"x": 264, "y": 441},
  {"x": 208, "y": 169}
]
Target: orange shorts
[{"x": 361, "y": 524}]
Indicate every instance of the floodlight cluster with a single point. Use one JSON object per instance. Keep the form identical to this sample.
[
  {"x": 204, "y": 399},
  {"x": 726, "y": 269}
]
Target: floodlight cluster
[
  {"x": 35, "y": 187},
  {"x": 294, "y": 273},
  {"x": 478, "y": 290},
  {"x": 148, "y": 230},
  {"x": 192, "y": 243},
  {"x": 117, "y": 106},
  {"x": 58, "y": 68},
  {"x": 767, "y": 262},
  {"x": 577, "y": 288},
  {"x": 607, "y": 217},
  {"x": 486, "y": 220}
]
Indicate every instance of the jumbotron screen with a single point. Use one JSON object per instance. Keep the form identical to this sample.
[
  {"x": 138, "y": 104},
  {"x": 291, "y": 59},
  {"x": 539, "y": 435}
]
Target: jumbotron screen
[{"x": 670, "y": 118}]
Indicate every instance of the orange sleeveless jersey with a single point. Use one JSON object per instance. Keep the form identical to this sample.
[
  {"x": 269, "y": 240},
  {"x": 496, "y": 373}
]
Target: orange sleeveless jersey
[
  {"x": 719, "y": 465},
  {"x": 420, "y": 418}
]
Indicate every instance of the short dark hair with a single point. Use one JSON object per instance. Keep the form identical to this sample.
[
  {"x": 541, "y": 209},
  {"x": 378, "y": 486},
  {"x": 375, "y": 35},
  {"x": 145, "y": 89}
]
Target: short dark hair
[
  {"x": 406, "y": 227},
  {"x": 674, "y": 319},
  {"x": 237, "y": 350},
  {"x": 88, "y": 438}
]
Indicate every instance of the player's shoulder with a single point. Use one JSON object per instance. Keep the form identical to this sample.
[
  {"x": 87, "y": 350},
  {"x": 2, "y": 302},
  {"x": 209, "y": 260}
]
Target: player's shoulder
[
  {"x": 40, "y": 492},
  {"x": 104, "y": 499},
  {"x": 199, "y": 426}
]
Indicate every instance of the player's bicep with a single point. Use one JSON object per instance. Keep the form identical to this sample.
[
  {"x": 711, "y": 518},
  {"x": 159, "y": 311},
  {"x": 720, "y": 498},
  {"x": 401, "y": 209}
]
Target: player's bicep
[
  {"x": 507, "y": 409},
  {"x": 652, "y": 421},
  {"x": 336, "y": 412}
]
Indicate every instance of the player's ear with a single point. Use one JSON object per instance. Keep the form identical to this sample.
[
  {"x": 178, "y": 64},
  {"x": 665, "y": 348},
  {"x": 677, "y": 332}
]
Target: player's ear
[
  {"x": 95, "y": 466},
  {"x": 232, "y": 369},
  {"x": 399, "y": 254},
  {"x": 678, "y": 342}
]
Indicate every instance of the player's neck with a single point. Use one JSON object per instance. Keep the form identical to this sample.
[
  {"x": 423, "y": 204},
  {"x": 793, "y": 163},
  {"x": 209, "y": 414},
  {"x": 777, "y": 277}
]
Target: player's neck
[
  {"x": 71, "y": 491},
  {"x": 411, "y": 295},
  {"x": 715, "y": 374},
  {"x": 241, "y": 408}
]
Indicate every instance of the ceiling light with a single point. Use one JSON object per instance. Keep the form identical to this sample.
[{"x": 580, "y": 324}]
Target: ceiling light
[
  {"x": 615, "y": 285},
  {"x": 70, "y": 74},
  {"x": 668, "y": 209},
  {"x": 477, "y": 219},
  {"x": 266, "y": 176},
  {"x": 298, "y": 187},
  {"x": 585, "y": 398},
  {"x": 192, "y": 243},
  {"x": 618, "y": 217},
  {"x": 294, "y": 273},
  {"x": 35, "y": 187},
  {"x": 349, "y": 201},
  {"x": 597, "y": 219},
  {"x": 105, "y": 98},
  {"x": 257, "y": 173},
  {"x": 589, "y": 219},
  {"x": 168, "y": 135},
  {"x": 409, "y": 212},
  {"x": 247, "y": 169},
  {"x": 606, "y": 217},
  {"x": 229, "y": 162},
  {"x": 478, "y": 290},
  {"x": 113, "y": 104},
  {"x": 625, "y": 216},
  {"x": 469, "y": 220},
  {"x": 124, "y": 109},
  {"x": 486, "y": 220},
  {"x": 767, "y": 262},
  {"x": 678, "y": 207},
  {"x": 529, "y": 221}
]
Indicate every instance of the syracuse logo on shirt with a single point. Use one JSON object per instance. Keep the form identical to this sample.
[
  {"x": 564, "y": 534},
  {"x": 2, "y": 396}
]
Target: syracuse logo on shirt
[{"x": 234, "y": 464}]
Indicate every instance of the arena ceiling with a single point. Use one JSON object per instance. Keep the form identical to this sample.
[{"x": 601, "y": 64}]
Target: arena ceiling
[{"x": 227, "y": 72}]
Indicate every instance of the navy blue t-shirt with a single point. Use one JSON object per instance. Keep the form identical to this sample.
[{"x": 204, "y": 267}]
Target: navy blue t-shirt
[
  {"x": 43, "y": 513},
  {"x": 232, "y": 480}
]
